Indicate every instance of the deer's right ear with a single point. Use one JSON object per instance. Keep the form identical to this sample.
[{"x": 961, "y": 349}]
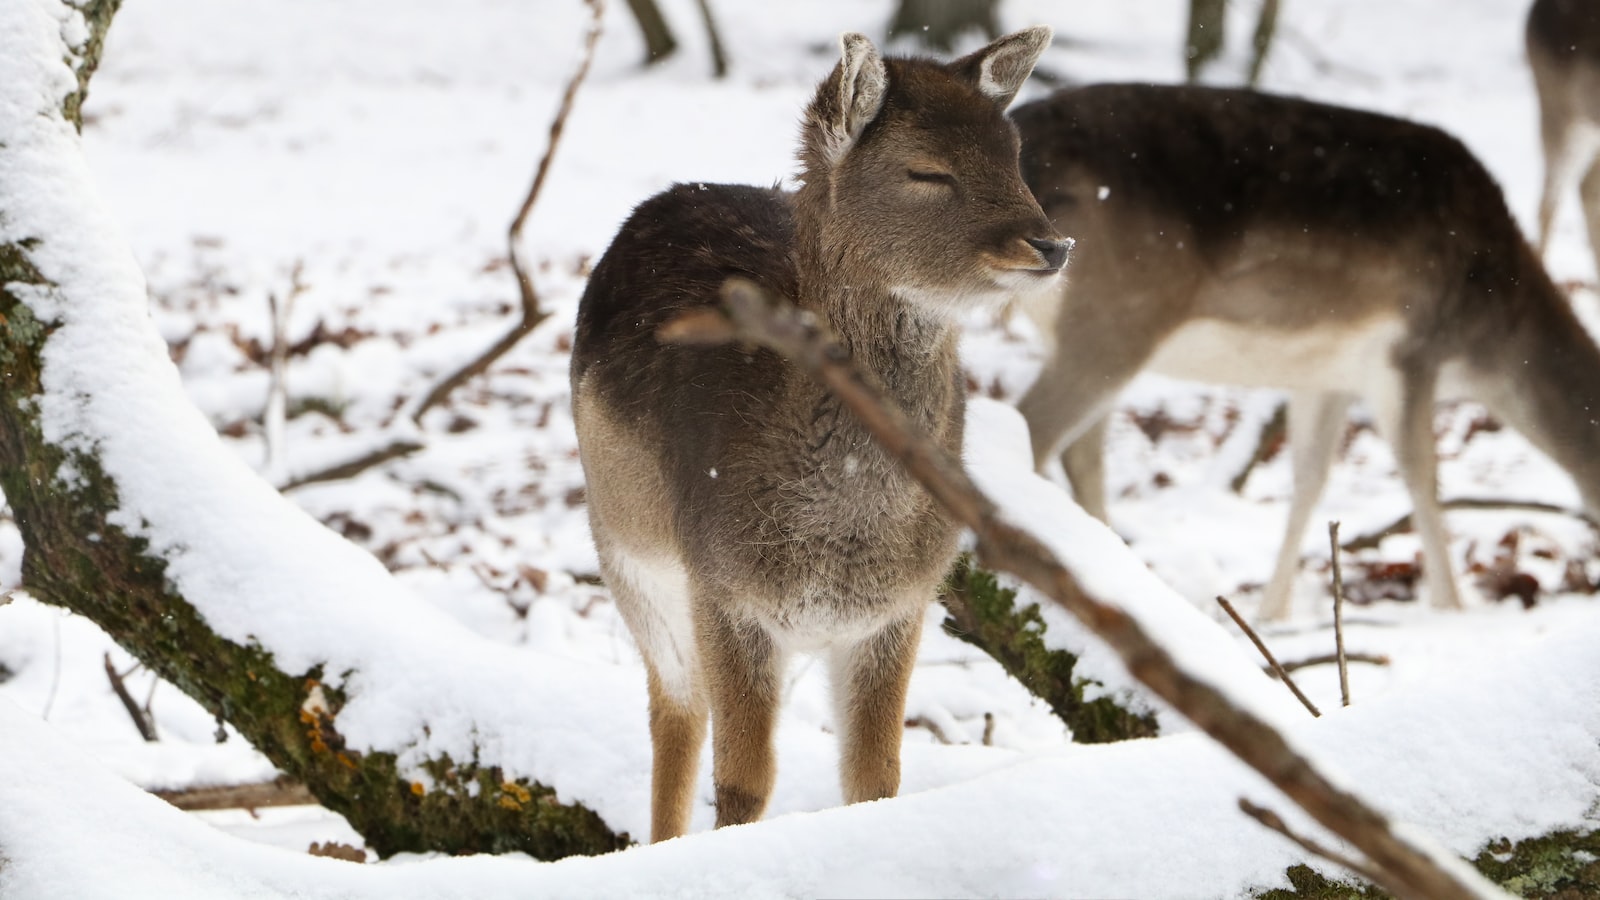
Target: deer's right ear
[{"x": 848, "y": 100}]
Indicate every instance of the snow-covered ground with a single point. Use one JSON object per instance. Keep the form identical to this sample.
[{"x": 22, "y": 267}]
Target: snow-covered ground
[{"x": 380, "y": 148}]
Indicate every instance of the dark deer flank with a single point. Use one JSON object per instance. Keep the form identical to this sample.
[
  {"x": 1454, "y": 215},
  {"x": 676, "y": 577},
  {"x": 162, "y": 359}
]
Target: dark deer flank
[
  {"x": 1563, "y": 38},
  {"x": 740, "y": 514},
  {"x": 1241, "y": 238}
]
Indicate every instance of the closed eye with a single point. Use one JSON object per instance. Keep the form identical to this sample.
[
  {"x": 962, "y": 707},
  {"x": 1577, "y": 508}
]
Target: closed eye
[{"x": 931, "y": 176}]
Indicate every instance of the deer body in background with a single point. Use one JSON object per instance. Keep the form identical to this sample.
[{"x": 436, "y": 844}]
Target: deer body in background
[
  {"x": 1233, "y": 237},
  {"x": 1563, "y": 39},
  {"x": 740, "y": 513}
]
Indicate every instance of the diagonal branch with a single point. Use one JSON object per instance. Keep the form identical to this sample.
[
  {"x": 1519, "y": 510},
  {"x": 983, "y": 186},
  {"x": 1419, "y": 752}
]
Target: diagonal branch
[
  {"x": 532, "y": 312},
  {"x": 753, "y": 316}
]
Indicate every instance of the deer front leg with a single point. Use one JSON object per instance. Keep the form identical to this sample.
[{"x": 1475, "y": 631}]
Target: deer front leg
[
  {"x": 870, "y": 678},
  {"x": 743, "y": 669}
]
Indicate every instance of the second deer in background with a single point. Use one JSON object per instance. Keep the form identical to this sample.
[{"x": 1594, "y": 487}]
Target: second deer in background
[
  {"x": 1240, "y": 238},
  {"x": 1564, "y": 52}
]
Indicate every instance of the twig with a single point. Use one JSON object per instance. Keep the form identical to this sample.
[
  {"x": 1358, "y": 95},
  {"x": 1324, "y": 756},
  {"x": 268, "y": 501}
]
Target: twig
[
  {"x": 1280, "y": 671},
  {"x": 719, "y": 58},
  {"x": 274, "y": 417},
  {"x": 933, "y": 727},
  {"x": 1275, "y": 822},
  {"x": 1267, "y": 441},
  {"x": 281, "y": 791},
  {"x": 1403, "y": 524},
  {"x": 55, "y": 674},
  {"x": 354, "y": 467},
  {"x": 1272, "y": 662},
  {"x": 1406, "y": 868},
  {"x": 532, "y": 313},
  {"x": 1338, "y": 615},
  {"x": 147, "y": 729},
  {"x": 1376, "y": 659}
]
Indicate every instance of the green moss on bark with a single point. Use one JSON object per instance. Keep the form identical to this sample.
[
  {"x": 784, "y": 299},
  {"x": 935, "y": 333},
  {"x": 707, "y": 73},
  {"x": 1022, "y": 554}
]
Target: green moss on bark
[
  {"x": 74, "y": 557},
  {"x": 1562, "y": 865},
  {"x": 984, "y": 614}
]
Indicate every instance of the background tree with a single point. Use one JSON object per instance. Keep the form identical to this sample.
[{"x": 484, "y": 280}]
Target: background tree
[
  {"x": 937, "y": 24},
  {"x": 660, "y": 42},
  {"x": 1207, "y": 36}
]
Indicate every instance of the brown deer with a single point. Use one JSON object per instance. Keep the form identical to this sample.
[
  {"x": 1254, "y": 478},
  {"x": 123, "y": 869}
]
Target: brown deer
[
  {"x": 742, "y": 515},
  {"x": 1235, "y": 237},
  {"x": 1563, "y": 38}
]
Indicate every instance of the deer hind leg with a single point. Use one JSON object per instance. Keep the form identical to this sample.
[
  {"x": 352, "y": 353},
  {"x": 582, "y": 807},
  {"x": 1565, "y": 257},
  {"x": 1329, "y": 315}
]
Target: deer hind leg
[
  {"x": 1591, "y": 209},
  {"x": 1407, "y": 419},
  {"x": 677, "y": 732},
  {"x": 1556, "y": 134},
  {"x": 869, "y": 680},
  {"x": 744, "y": 668},
  {"x": 654, "y": 601},
  {"x": 1316, "y": 422}
]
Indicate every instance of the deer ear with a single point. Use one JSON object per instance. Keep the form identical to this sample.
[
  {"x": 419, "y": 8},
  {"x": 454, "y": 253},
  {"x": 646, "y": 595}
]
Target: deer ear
[
  {"x": 999, "y": 70},
  {"x": 850, "y": 98}
]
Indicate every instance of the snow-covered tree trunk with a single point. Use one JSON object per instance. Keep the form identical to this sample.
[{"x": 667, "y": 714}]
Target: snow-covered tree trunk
[{"x": 204, "y": 596}]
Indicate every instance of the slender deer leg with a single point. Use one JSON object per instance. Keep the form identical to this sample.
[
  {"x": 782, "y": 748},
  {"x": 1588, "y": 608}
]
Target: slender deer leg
[
  {"x": 677, "y": 732},
  {"x": 869, "y": 689},
  {"x": 1085, "y": 462},
  {"x": 743, "y": 671},
  {"x": 1591, "y": 209},
  {"x": 1408, "y": 420},
  {"x": 654, "y": 601},
  {"x": 1555, "y": 133},
  {"x": 1316, "y": 421}
]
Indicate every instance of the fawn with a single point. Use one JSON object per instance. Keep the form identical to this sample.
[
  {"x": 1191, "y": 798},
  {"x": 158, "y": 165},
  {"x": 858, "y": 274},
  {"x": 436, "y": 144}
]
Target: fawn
[
  {"x": 739, "y": 512},
  {"x": 1563, "y": 38},
  {"x": 1235, "y": 237}
]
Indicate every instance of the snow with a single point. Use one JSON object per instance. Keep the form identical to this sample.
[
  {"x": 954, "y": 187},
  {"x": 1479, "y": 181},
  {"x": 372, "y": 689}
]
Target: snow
[{"x": 384, "y": 146}]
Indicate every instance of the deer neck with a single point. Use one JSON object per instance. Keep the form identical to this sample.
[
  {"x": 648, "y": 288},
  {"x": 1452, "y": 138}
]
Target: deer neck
[
  {"x": 1552, "y": 394},
  {"x": 903, "y": 345}
]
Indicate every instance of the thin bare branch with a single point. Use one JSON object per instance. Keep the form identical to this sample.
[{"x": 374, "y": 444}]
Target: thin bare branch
[
  {"x": 147, "y": 728},
  {"x": 1407, "y": 869},
  {"x": 719, "y": 57},
  {"x": 1272, "y": 661},
  {"x": 1403, "y": 524},
  {"x": 532, "y": 313},
  {"x": 1376, "y": 659},
  {"x": 274, "y": 417},
  {"x": 934, "y": 728},
  {"x": 1338, "y": 615},
  {"x": 354, "y": 467},
  {"x": 281, "y": 791},
  {"x": 1275, "y": 822}
]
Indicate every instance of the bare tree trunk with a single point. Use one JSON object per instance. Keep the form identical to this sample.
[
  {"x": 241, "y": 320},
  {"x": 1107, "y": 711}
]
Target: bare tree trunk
[
  {"x": 1206, "y": 23},
  {"x": 658, "y": 40},
  {"x": 937, "y": 23},
  {"x": 1261, "y": 41},
  {"x": 76, "y": 557},
  {"x": 719, "y": 57}
]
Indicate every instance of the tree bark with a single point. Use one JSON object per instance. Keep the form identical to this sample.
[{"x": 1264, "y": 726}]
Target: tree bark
[
  {"x": 658, "y": 40},
  {"x": 984, "y": 614},
  {"x": 75, "y": 556},
  {"x": 1206, "y": 22},
  {"x": 937, "y": 23}
]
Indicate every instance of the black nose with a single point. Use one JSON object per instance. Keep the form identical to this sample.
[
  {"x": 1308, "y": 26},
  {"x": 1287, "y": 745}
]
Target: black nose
[{"x": 1054, "y": 253}]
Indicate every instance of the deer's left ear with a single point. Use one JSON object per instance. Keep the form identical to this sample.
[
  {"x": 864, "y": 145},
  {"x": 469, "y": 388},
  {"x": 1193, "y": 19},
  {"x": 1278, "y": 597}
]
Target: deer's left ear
[{"x": 999, "y": 69}]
